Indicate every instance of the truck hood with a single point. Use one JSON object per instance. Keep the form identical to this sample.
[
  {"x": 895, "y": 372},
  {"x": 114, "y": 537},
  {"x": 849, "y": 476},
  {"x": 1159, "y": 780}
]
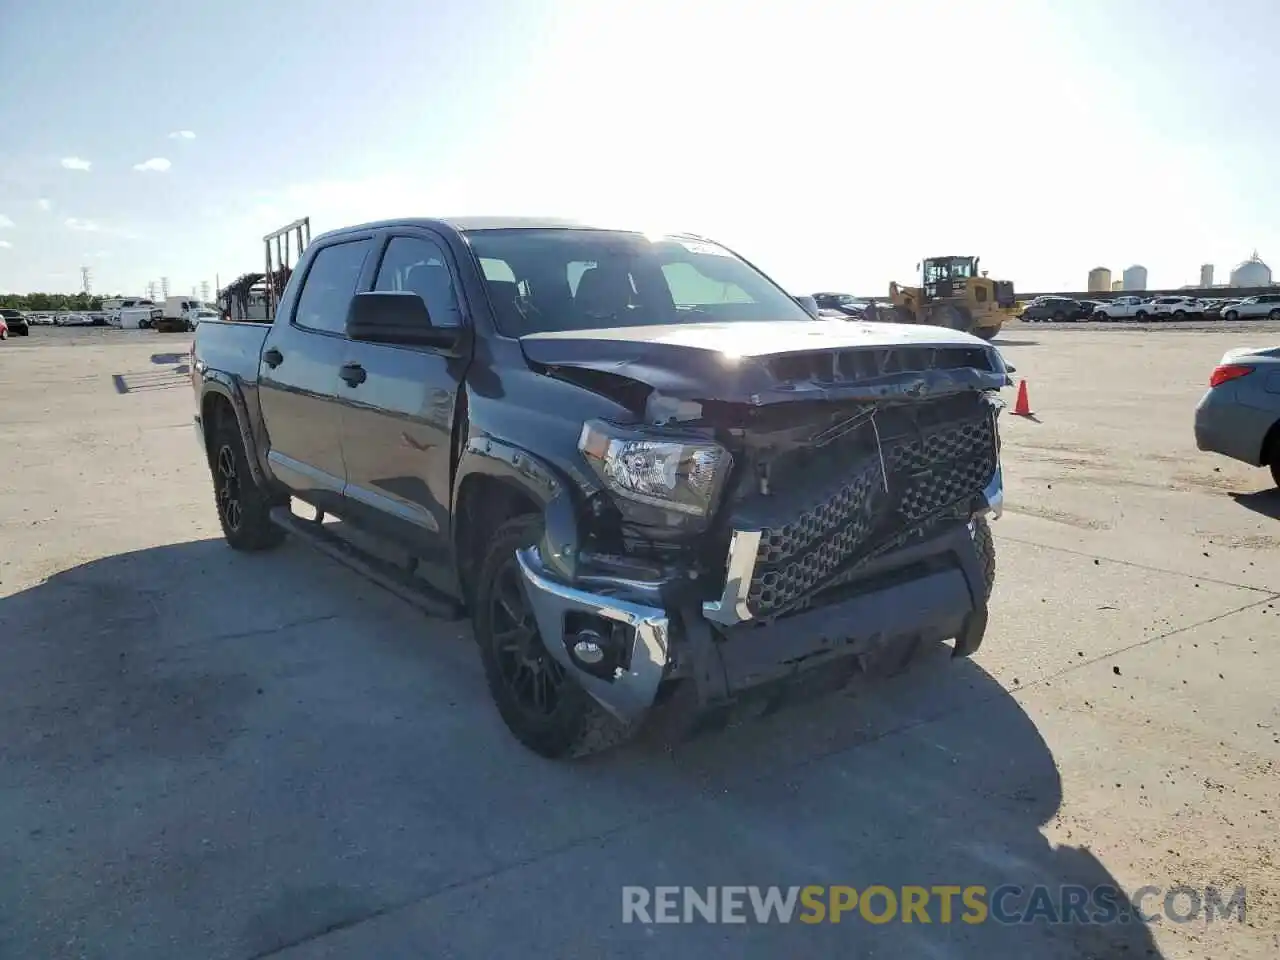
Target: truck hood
[{"x": 759, "y": 363}]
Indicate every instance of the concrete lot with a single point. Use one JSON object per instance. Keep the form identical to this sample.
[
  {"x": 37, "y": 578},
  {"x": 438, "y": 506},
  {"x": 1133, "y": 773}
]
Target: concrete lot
[{"x": 204, "y": 754}]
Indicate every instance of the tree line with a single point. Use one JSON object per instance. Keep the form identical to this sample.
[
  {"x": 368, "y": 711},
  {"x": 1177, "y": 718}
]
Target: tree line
[{"x": 50, "y": 302}]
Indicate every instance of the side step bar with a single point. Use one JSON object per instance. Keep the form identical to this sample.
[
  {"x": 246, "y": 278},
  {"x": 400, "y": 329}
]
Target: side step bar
[{"x": 389, "y": 576}]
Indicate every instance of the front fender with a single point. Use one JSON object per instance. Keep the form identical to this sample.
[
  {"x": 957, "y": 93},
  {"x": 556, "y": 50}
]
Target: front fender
[{"x": 541, "y": 482}]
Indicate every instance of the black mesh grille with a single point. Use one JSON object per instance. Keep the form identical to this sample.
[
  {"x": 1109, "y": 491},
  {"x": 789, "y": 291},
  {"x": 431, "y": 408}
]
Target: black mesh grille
[{"x": 942, "y": 466}]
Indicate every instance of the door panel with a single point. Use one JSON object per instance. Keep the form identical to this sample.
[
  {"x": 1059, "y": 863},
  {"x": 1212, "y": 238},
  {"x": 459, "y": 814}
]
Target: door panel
[
  {"x": 299, "y": 395},
  {"x": 397, "y": 423},
  {"x": 300, "y": 408}
]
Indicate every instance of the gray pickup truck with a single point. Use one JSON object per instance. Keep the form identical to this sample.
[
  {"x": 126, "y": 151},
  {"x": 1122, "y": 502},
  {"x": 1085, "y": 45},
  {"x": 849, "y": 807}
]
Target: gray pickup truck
[{"x": 658, "y": 486}]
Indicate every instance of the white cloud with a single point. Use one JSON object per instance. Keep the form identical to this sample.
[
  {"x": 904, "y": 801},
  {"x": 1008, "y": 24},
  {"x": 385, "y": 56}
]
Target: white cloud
[
  {"x": 182, "y": 135},
  {"x": 5, "y": 221},
  {"x": 93, "y": 226},
  {"x": 5, "y": 244},
  {"x": 76, "y": 163},
  {"x": 158, "y": 164},
  {"x": 44, "y": 204}
]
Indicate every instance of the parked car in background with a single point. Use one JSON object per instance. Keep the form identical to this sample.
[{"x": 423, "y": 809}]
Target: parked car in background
[
  {"x": 138, "y": 318},
  {"x": 844, "y": 303},
  {"x": 1176, "y": 308},
  {"x": 1266, "y": 305},
  {"x": 1214, "y": 309},
  {"x": 204, "y": 313},
  {"x": 1239, "y": 416},
  {"x": 1053, "y": 308},
  {"x": 1124, "y": 308},
  {"x": 15, "y": 322}
]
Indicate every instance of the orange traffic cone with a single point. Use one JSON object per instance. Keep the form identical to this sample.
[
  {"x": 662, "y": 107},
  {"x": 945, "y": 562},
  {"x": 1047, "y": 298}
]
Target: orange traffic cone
[{"x": 1022, "y": 408}]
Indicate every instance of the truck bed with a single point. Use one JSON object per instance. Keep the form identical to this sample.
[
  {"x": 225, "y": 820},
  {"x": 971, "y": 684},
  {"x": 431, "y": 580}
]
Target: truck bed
[{"x": 231, "y": 346}]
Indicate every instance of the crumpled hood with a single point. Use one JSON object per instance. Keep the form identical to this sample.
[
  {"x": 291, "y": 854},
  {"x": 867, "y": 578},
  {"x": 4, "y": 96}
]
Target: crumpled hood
[{"x": 769, "y": 362}]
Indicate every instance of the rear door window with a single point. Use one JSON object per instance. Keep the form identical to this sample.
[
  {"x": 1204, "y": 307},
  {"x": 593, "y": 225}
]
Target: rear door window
[{"x": 330, "y": 284}]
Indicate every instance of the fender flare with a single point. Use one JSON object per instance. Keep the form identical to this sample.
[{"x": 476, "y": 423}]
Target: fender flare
[
  {"x": 538, "y": 479},
  {"x": 225, "y": 386}
]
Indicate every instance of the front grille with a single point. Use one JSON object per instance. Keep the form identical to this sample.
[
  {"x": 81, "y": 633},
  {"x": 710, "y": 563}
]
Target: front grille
[{"x": 923, "y": 473}]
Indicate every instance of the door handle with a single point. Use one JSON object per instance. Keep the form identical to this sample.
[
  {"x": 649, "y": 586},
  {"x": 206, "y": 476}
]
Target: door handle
[
  {"x": 353, "y": 373},
  {"x": 272, "y": 358}
]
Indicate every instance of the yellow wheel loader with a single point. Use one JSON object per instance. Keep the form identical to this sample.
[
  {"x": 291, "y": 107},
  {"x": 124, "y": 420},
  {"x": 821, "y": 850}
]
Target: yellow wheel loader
[{"x": 953, "y": 294}]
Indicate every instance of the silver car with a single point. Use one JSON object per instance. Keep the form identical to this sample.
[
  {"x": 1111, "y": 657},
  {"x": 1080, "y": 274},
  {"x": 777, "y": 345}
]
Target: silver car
[{"x": 1239, "y": 417}]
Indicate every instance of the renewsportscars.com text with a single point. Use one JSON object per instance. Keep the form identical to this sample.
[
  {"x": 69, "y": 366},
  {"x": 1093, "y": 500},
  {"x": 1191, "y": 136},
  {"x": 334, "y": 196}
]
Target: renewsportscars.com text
[{"x": 939, "y": 903}]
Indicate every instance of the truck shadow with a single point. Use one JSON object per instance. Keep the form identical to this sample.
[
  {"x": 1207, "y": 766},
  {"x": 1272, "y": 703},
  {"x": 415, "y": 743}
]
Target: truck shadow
[
  {"x": 185, "y": 722},
  {"x": 1265, "y": 502}
]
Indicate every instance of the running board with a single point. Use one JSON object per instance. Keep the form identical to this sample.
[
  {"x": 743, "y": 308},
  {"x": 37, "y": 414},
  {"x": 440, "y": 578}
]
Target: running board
[{"x": 385, "y": 574}]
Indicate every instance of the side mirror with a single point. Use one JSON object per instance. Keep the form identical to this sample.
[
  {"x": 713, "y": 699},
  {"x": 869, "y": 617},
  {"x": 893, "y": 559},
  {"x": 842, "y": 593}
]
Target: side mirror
[
  {"x": 810, "y": 306},
  {"x": 397, "y": 317}
]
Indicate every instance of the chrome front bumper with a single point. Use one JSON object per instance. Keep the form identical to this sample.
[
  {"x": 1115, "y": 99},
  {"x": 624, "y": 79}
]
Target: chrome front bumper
[{"x": 631, "y": 691}]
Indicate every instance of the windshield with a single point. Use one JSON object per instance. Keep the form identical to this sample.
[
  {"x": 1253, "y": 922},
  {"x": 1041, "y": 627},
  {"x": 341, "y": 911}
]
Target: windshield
[{"x": 553, "y": 280}]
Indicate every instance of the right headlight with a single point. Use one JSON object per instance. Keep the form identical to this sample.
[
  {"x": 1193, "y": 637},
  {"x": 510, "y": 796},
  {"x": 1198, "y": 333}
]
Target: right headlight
[{"x": 685, "y": 476}]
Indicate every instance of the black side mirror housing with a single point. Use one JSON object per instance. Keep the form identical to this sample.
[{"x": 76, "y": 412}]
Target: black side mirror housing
[{"x": 398, "y": 317}]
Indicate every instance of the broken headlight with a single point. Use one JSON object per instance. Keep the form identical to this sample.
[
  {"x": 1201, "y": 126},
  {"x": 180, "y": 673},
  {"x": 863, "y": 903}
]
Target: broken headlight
[{"x": 685, "y": 476}]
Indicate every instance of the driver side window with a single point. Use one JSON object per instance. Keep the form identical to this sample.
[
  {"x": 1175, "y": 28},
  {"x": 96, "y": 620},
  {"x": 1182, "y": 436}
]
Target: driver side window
[{"x": 417, "y": 265}]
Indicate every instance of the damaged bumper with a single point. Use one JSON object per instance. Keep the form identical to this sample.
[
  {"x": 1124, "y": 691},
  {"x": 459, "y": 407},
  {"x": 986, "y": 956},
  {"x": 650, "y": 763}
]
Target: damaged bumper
[{"x": 622, "y": 639}]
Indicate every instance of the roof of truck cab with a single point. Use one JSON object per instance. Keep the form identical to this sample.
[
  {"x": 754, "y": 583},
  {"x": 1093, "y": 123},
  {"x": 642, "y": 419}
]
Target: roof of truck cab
[{"x": 470, "y": 224}]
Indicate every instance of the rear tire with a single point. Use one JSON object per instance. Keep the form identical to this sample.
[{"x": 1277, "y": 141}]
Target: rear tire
[
  {"x": 1059, "y": 317},
  {"x": 540, "y": 702},
  {"x": 1231, "y": 315},
  {"x": 244, "y": 507}
]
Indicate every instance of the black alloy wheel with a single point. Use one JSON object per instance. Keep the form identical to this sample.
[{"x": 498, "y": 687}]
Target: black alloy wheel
[
  {"x": 228, "y": 488},
  {"x": 534, "y": 678}
]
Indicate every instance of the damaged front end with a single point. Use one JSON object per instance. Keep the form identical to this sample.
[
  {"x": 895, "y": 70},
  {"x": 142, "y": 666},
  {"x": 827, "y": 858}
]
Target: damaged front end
[{"x": 737, "y": 544}]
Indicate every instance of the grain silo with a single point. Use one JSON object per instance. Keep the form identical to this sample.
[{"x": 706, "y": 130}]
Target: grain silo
[
  {"x": 1099, "y": 280},
  {"x": 1252, "y": 273},
  {"x": 1117, "y": 285},
  {"x": 1135, "y": 278},
  {"x": 1206, "y": 275}
]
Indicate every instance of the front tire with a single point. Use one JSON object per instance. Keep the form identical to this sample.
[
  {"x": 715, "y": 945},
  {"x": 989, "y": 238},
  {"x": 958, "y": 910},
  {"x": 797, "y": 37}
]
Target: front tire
[
  {"x": 244, "y": 507},
  {"x": 542, "y": 705},
  {"x": 985, "y": 544}
]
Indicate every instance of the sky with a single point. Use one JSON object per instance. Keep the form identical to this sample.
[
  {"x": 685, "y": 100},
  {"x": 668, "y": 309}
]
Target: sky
[{"x": 833, "y": 144}]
